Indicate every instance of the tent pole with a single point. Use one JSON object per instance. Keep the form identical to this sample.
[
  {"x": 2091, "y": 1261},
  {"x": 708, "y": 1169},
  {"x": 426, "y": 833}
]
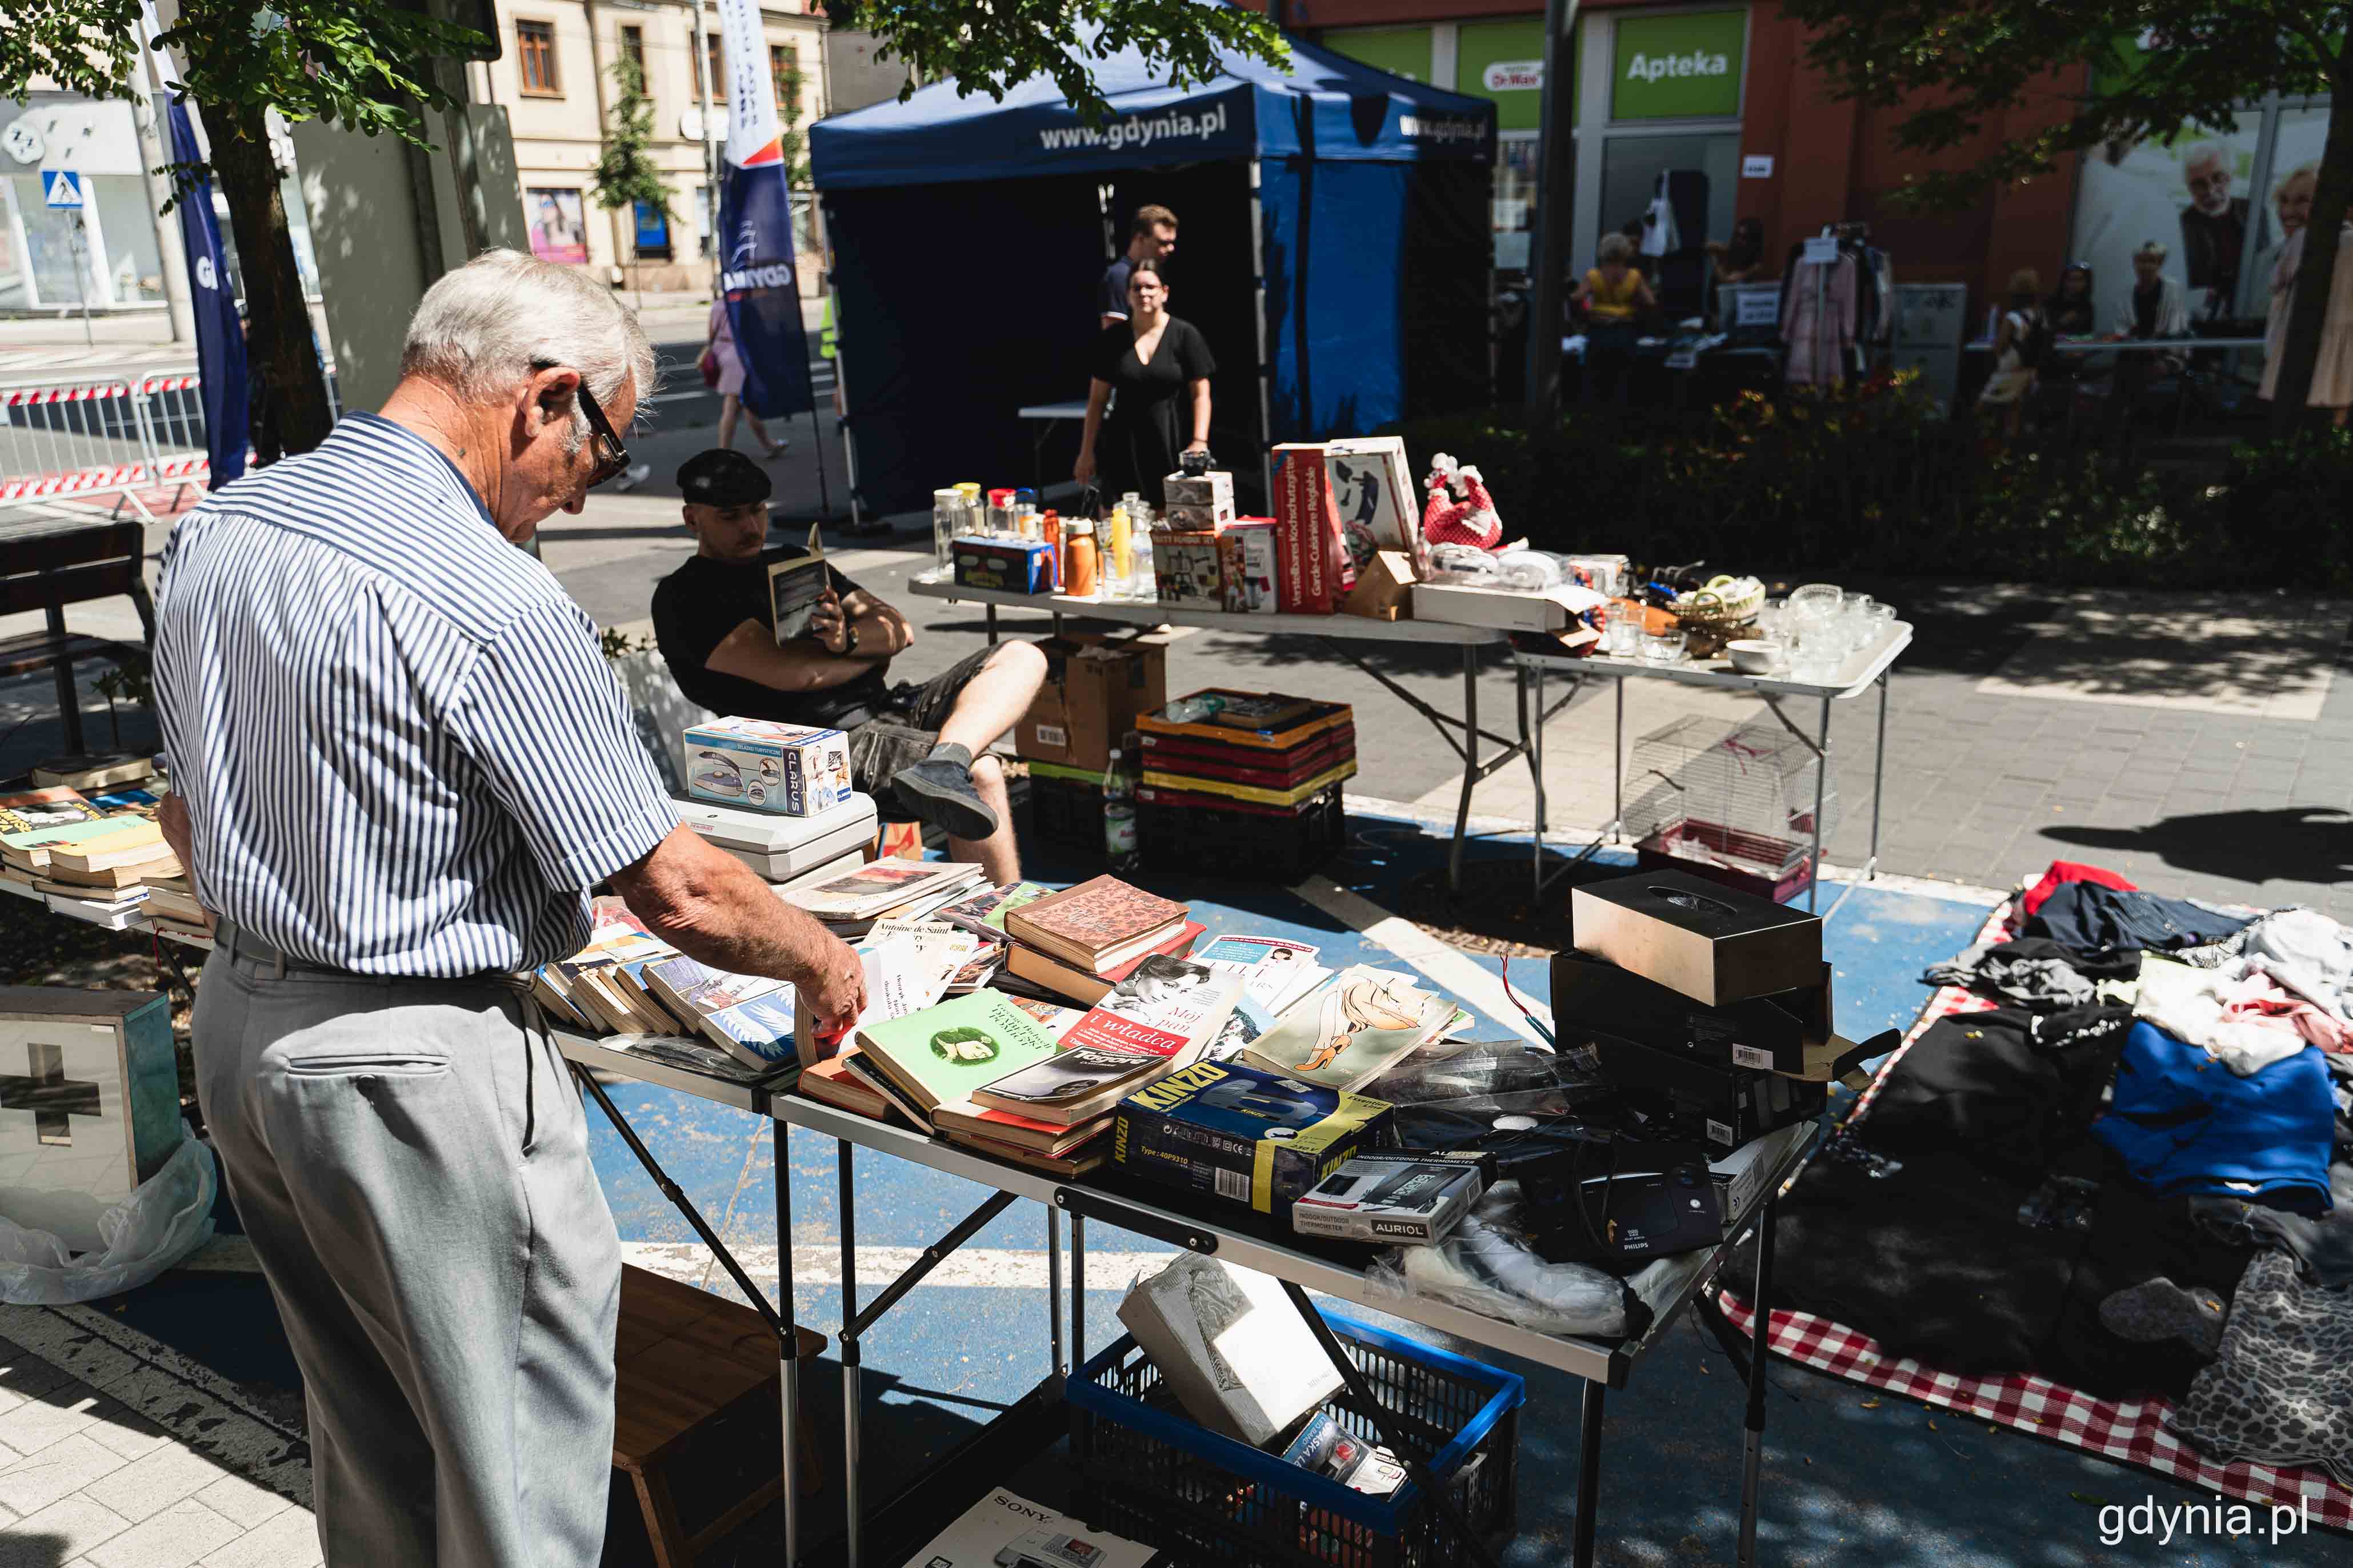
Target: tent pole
[
  {"x": 1257, "y": 319},
  {"x": 1555, "y": 193}
]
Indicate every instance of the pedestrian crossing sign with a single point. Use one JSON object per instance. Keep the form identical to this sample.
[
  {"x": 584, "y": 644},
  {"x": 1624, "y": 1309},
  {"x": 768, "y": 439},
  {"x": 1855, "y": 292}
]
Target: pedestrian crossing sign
[{"x": 62, "y": 187}]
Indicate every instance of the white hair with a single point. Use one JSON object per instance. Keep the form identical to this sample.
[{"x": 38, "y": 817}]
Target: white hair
[
  {"x": 2206, "y": 152},
  {"x": 484, "y": 329}
]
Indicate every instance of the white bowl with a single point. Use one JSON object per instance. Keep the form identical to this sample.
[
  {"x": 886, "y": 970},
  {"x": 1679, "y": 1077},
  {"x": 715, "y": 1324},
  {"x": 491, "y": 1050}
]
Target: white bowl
[{"x": 1751, "y": 656}]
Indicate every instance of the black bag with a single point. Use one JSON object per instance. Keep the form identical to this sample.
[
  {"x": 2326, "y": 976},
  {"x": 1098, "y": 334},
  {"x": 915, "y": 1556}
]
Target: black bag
[{"x": 2035, "y": 343}]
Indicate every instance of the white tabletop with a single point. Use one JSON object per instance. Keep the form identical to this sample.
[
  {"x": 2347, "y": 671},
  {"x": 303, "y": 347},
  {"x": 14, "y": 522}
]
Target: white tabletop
[
  {"x": 1854, "y": 676},
  {"x": 1145, "y": 612},
  {"x": 1054, "y": 410}
]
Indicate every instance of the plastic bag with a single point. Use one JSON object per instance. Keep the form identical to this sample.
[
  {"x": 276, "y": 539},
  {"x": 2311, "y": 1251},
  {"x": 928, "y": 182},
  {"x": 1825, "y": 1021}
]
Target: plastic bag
[
  {"x": 168, "y": 1216},
  {"x": 1487, "y": 1267},
  {"x": 1470, "y": 1094}
]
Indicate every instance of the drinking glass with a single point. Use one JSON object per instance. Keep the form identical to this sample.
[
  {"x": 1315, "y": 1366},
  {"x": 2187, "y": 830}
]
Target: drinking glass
[
  {"x": 1623, "y": 638},
  {"x": 1663, "y": 647}
]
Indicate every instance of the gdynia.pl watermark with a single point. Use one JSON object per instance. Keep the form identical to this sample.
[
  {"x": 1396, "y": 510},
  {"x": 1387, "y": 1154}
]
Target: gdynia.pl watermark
[{"x": 2150, "y": 1519}]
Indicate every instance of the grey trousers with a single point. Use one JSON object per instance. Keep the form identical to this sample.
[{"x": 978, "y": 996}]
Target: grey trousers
[{"x": 411, "y": 1163}]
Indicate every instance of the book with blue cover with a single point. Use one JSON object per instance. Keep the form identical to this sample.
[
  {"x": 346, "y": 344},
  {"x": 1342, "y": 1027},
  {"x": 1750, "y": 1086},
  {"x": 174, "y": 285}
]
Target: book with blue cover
[{"x": 750, "y": 1016}]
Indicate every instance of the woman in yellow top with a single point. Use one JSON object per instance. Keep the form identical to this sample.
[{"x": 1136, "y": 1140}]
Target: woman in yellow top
[{"x": 1613, "y": 294}]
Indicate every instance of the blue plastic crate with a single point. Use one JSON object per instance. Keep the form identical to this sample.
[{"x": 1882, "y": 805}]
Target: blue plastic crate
[{"x": 1150, "y": 1471}]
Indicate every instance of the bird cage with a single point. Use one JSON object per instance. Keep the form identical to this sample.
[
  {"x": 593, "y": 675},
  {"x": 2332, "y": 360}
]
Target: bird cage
[{"x": 1737, "y": 805}]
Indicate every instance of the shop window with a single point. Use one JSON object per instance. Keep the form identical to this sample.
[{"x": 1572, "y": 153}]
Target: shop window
[
  {"x": 633, "y": 50},
  {"x": 1630, "y": 167},
  {"x": 535, "y": 58},
  {"x": 784, "y": 79},
  {"x": 1513, "y": 207},
  {"x": 716, "y": 53}
]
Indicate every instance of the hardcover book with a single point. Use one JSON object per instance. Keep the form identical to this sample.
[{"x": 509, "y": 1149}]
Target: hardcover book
[
  {"x": 831, "y": 1082},
  {"x": 1353, "y": 1031},
  {"x": 1052, "y": 1139},
  {"x": 1096, "y": 924},
  {"x": 943, "y": 1053},
  {"x": 1084, "y": 986}
]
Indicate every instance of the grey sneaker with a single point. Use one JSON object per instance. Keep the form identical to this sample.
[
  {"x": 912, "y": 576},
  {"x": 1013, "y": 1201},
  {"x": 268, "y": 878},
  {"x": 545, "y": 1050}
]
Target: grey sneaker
[{"x": 939, "y": 790}]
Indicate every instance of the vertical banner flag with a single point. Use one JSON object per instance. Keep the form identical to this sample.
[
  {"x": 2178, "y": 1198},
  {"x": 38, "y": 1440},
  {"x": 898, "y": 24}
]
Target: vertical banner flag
[
  {"x": 755, "y": 227},
  {"x": 220, "y": 340}
]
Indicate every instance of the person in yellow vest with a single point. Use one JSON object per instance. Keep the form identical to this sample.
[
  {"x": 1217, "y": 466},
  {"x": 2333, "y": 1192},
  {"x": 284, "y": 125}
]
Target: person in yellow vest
[{"x": 1614, "y": 295}]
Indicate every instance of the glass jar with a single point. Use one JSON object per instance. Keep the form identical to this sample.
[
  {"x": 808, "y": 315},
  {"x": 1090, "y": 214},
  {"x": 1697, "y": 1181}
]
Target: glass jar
[{"x": 947, "y": 510}]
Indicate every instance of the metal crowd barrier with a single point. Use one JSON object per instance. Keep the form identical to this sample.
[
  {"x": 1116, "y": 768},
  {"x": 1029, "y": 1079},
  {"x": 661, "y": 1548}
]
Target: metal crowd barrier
[{"x": 89, "y": 436}]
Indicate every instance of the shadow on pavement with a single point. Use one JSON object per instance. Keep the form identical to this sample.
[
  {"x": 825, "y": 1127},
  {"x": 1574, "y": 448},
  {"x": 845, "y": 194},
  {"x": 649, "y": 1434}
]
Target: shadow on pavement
[{"x": 2316, "y": 840}]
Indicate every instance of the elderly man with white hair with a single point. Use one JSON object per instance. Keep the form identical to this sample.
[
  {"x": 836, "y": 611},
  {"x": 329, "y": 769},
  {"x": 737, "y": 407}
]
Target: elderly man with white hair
[{"x": 398, "y": 764}]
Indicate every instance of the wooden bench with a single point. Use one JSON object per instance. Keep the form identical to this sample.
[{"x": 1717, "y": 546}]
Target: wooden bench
[
  {"x": 46, "y": 569},
  {"x": 686, "y": 1361}
]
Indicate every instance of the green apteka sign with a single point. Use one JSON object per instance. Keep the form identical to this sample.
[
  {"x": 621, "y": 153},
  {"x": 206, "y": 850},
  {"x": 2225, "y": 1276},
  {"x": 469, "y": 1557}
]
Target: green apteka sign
[{"x": 1686, "y": 67}]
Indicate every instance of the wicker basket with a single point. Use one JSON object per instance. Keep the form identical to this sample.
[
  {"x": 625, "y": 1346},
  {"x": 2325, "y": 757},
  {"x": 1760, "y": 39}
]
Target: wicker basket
[{"x": 1718, "y": 613}]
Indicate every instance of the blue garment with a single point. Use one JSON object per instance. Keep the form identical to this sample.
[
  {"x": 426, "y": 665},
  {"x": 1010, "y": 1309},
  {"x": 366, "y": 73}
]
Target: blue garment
[
  {"x": 2183, "y": 1122},
  {"x": 2086, "y": 918}
]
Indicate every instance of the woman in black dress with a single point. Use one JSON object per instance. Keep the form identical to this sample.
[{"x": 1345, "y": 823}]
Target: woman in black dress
[{"x": 1161, "y": 368}]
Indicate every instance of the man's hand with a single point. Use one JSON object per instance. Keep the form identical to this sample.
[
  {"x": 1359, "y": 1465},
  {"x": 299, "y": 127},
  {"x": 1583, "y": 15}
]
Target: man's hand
[
  {"x": 836, "y": 997},
  {"x": 828, "y": 625}
]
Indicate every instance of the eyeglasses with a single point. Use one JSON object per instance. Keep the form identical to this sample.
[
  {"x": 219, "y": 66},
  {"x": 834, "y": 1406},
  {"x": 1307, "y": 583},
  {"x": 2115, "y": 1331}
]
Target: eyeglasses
[{"x": 612, "y": 457}]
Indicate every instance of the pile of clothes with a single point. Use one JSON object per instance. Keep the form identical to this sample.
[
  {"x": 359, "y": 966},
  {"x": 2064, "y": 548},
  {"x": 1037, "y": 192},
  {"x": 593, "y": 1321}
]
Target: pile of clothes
[{"x": 2134, "y": 1176}]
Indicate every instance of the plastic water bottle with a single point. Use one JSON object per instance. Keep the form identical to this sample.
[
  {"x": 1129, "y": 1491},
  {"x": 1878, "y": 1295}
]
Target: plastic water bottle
[{"x": 1119, "y": 816}]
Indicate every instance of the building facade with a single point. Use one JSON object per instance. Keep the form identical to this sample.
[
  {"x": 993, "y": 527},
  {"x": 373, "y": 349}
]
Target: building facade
[{"x": 554, "y": 76}]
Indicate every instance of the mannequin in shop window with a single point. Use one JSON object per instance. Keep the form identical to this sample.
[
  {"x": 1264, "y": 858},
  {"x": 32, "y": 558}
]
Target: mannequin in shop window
[{"x": 1613, "y": 295}]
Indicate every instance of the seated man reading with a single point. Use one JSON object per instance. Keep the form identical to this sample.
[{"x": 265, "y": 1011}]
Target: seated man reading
[{"x": 711, "y": 618}]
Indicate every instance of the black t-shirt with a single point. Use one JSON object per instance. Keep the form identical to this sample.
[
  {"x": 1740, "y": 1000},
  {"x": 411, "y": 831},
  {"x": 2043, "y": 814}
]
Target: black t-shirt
[
  {"x": 1181, "y": 358},
  {"x": 1111, "y": 297},
  {"x": 696, "y": 607}
]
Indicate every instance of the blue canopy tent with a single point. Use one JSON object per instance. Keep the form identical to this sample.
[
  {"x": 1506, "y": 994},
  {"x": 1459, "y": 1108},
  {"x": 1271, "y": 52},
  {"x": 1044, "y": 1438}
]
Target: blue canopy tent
[{"x": 1332, "y": 249}]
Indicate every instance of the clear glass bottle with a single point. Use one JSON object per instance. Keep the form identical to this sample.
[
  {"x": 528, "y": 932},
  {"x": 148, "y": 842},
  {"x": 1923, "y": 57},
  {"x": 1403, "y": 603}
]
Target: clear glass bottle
[
  {"x": 1119, "y": 816},
  {"x": 1118, "y": 569},
  {"x": 947, "y": 512}
]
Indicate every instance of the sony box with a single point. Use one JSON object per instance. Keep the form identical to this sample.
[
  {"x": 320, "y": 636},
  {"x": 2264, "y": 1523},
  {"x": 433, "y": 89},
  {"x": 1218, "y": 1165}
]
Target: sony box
[
  {"x": 1769, "y": 1032},
  {"x": 1407, "y": 1199},
  {"x": 1244, "y": 1135},
  {"x": 1706, "y": 940},
  {"x": 1011, "y": 566},
  {"x": 768, "y": 766},
  {"x": 1247, "y": 548}
]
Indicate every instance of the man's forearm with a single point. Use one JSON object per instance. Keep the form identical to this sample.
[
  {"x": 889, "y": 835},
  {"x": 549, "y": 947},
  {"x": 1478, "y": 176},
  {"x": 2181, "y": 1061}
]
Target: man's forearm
[{"x": 717, "y": 911}]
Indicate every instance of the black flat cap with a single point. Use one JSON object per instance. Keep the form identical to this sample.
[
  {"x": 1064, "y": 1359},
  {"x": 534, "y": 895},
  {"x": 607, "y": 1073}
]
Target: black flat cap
[{"x": 722, "y": 478}]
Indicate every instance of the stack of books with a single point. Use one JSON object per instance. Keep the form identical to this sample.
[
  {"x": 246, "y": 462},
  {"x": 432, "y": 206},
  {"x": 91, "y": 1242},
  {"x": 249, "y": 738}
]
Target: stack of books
[
  {"x": 1081, "y": 943},
  {"x": 1238, "y": 750},
  {"x": 849, "y": 901},
  {"x": 100, "y": 850}
]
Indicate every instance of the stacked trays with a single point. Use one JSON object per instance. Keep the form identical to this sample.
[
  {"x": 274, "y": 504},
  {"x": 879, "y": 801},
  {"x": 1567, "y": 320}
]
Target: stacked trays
[{"x": 1253, "y": 789}]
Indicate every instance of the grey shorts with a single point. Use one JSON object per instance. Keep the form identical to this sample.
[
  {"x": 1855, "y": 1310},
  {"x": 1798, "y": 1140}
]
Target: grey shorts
[{"x": 906, "y": 731}]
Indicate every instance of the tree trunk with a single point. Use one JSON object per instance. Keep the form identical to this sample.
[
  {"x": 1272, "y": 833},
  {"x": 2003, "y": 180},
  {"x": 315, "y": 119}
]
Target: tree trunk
[
  {"x": 278, "y": 339},
  {"x": 2332, "y": 196}
]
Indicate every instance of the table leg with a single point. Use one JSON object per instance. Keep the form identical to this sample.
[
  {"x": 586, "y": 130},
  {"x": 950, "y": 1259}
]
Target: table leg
[
  {"x": 992, "y": 623},
  {"x": 1753, "y": 1454},
  {"x": 788, "y": 1368},
  {"x": 1054, "y": 1287},
  {"x": 1821, "y": 802},
  {"x": 850, "y": 1391},
  {"x": 1618, "y": 766},
  {"x": 1588, "y": 1471},
  {"x": 1533, "y": 740},
  {"x": 1078, "y": 1289},
  {"x": 1878, "y": 777},
  {"x": 1470, "y": 768}
]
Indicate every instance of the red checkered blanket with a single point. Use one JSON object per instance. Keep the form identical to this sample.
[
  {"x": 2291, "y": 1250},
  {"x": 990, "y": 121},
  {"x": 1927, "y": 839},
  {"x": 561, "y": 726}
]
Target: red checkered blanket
[{"x": 2135, "y": 1434}]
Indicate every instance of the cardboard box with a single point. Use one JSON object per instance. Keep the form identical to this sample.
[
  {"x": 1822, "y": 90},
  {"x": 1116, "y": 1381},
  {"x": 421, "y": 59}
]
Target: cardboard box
[
  {"x": 1012, "y": 566},
  {"x": 768, "y": 766},
  {"x": 1312, "y": 562},
  {"x": 1214, "y": 489},
  {"x": 1384, "y": 589},
  {"x": 1373, "y": 487},
  {"x": 1094, "y": 688},
  {"x": 1726, "y": 1106},
  {"x": 1187, "y": 519},
  {"x": 1463, "y": 605},
  {"x": 1773, "y": 1032},
  {"x": 1709, "y": 942},
  {"x": 1187, "y": 571},
  {"x": 1245, "y": 1135},
  {"x": 1247, "y": 550}
]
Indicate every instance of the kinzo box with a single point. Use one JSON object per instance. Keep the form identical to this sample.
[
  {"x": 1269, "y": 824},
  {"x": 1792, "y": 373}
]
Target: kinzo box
[
  {"x": 1244, "y": 1135},
  {"x": 789, "y": 769}
]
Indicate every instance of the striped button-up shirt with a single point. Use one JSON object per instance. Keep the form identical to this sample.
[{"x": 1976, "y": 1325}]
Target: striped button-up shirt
[{"x": 399, "y": 746}]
